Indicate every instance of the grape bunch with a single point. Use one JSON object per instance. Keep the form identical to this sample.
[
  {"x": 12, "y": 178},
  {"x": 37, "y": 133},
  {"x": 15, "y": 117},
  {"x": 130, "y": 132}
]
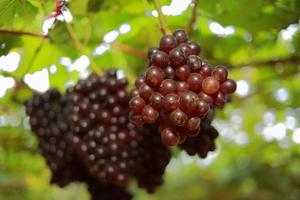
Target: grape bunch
[
  {"x": 48, "y": 113},
  {"x": 153, "y": 158},
  {"x": 204, "y": 141},
  {"x": 178, "y": 89},
  {"x": 102, "y": 134}
]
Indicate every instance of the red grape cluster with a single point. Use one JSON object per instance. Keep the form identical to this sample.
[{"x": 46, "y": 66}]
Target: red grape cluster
[
  {"x": 48, "y": 114},
  {"x": 103, "y": 136},
  {"x": 204, "y": 141},
  {"x": 178, "y": 89}
]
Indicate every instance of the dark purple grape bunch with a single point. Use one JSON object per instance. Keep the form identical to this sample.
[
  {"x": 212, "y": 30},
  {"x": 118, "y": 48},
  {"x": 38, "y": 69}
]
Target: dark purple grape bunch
[
  {"x": 48, "y": 113},
  {"x": 153, "y": 160},
  {"x": 102, "y": 134},
  {"x": 204, "y": 142},
  {"x": 178, "y": 89}
]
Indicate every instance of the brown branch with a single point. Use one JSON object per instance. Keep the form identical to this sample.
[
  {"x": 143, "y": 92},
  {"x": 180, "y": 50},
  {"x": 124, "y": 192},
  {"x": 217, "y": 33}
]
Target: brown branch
[
  {"x": 193, "y": 17},
  {"x": 19, "y": 32},
  {"x": 272, "y": 62},
  {"x": 131, "y": 51}
]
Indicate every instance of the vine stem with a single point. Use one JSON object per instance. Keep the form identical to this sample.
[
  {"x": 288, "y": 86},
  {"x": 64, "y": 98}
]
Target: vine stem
[
  {"x": 193, "y": 17},
  {"x": 80, "y": 47},
  {"x": 17, "y": 32},
  {"x": 163, "y": 24}
]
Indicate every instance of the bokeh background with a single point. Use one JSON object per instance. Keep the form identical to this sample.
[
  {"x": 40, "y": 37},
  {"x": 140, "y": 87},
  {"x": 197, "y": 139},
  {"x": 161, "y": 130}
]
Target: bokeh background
[{"x": 258, "y": 154}]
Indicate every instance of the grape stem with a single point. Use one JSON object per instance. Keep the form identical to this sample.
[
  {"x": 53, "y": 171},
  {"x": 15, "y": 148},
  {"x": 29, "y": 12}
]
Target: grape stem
[
  {"x": 80, "y": 47},
  {"x": 193, "y": 19},
  {"x": 163, "y": 24}
]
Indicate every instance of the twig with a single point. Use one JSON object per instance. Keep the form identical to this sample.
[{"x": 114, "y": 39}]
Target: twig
[
  {"x": 272, "y": 62},
  {"x": 19, "y": 32},
  {"x": 129, "y": 50},
  {"x": 193, "y": 17},
  {"x": 80, "y": 47},
  {"x": 163, "y": 24}
]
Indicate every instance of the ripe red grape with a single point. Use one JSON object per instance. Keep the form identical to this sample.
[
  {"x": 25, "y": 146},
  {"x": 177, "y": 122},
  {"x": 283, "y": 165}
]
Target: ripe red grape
[
  {"x": 183, "y": 72},
  {"x": 181, "y": 36},
  {"x": 154, "y": 76},
  {"x": 178, "y": 118},
  {"x": 167, "y": 43},
  {"x": 170, "y": 137},
  {"x": 210, "y": 85},
  {"x": 177, "y": 57}
]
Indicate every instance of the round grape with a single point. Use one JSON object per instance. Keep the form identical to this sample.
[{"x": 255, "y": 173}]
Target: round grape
[
  {"x": 171, "y": 102},
  {"x": 154, "y": 76},
  {"x": 178, "y": 118},
  {"x": 183, "y": 72},
  {"x": 160, "y": 59},
  {"x": 195, "y": 82},
  {"x": 150, "y": 115},
  {"x": 220, "y": 73},
  {"x": 137, "y": 104},
  {"x": 195, "y": 47},
  {"x": 228, "y": 87},
  {"x": 170, "y": 137},
  {"x": 181, "y": 36},
  {"x": 210, "y": 85},
  {"x": 167, "y": 43},
  {"x": 167, "y": 86},
  {"x": 177, "y": 57}
]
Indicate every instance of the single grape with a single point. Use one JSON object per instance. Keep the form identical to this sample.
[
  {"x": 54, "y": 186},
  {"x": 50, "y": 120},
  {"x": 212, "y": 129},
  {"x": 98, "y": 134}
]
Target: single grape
[
  {"x": 210, "y": 85},
  {"x": 185, "y": 48},
  {"x": 171, "y": 102},
  {"x": 193, "y": 124},
  {"x": 178, "y": 118},
  {"x": 195, "y": 82},
  {"x": 219, "y": 99},
  {"x": 145, "y": 91},
  {"x": 205, "y": 97},
  {"x": 203, "y": 108},
  {"x": 183, "y": 72},
  {"x": 167, "y": 43},
  {"x": 195, "y": 47},
  {"x": 177, "y": 57},
  {"x": 170, "y": 136},
  {"x": 139, "y": 81},
  {"x": 188, "y": 102},
  {"x": 220, "y": 73},
  {"x": 205, "y": 69},
  {"x": 228, "y": 87},
  {"x": 151, "y": 51},
  {"x": 150, "y": 115},
  {"x": 154, "y": 76},
  {"x": 181, "y": 36},
  {"x": 160, "y": 59},
  {"x": 156, "y": 100},
  {"x": 169, "y": 72},
  {"x": 182, "y": 86},
  {"x": 167, "y": 86},
  {"x": 137, "y": 104},
  {"x": 194, "y": 62}
]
